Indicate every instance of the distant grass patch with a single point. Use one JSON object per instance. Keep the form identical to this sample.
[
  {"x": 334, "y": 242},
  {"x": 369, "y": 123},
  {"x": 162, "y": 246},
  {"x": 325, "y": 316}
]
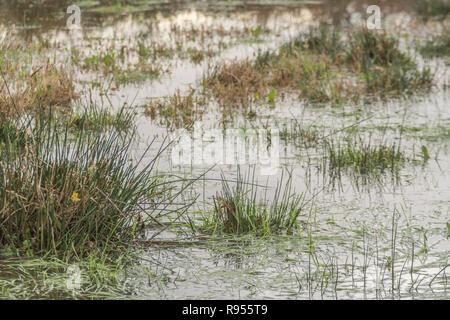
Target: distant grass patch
[
  {"x": 302, "y": 135},
  {"x": 136, "y": 76},
  {"x": 47, "y": 85},
  {"x": 438, "y": 9},
  {"x": 236, "y": 210},
  {"x": 362, "y": 157},
  {"x": 114, "y": 62},
  {"x": 176, "y": 110},
  {"x": 196, "y": 55},
  {"x": 94, "y": 118},
  {"x": 387, "y": 72},
  {"x": 115, "y": 7},
  {"x": 323, "y": 68},
  {"x": 437, "y": 46}
]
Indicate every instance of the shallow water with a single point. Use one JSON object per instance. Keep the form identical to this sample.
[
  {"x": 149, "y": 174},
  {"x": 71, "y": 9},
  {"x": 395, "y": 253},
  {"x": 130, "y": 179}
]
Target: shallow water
[{"x": 347, "y": 242}]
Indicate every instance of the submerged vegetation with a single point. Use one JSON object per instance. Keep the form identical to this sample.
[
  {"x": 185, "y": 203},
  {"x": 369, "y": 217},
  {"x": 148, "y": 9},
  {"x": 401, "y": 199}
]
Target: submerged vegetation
[
  {"x": 238, "y": 211},
  {"x": 95, "y": 118},
  {"x": 48, "y": 85},
  {"x": 437, "y": 45},
  {"x": 111, "y": 64},
  {"x": 323, "y": 68},
  {"x": 100, "y": 277},
  {"x": 177, "y": 110},
  {"x": 363, "y": 157},
  {"x": 438, "y": 9}
]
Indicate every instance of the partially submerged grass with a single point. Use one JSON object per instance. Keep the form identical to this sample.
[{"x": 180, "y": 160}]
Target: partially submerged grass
[
  {"x": 386, "y": 70},
  {"x": 95, "y": 118},
  {"x": 136, "y": 76},
  {"x": 238, "y": 210},
  {"x": 72, "y": 195},
  {"x": 301, "y": 135},
  {"x": 349, "y": 151},
  {"x": 438, "y": 9},
  {"x": 115, "y": 62},
  {"x": 235, "y": 82},
  {"x": 437, "y": 46},
  {"x": 92, "y": 277},
  {"x": 375, "y": 260},
  {"x": 436, "y": 132},
  {"x": 11, "y": 135},
  {"x": 197, "y": 55},
  {"x": 323, "y": 68},
  {"x": 362, "y": 157},
  {"x": 177, "y": 110},
  {"x": 48, "y": 85}
]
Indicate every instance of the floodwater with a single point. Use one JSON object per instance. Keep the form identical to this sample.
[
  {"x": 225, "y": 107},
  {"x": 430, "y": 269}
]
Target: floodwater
[{"x": 386, "y": 237}]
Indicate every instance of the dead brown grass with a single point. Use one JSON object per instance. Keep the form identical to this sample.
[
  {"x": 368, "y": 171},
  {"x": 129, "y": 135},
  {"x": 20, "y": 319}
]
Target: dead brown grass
[
  {"x": 48, "y": 85},
  {"x": 236, "y": 82},
  {"x": 177, "y": 110},
  {"x": 322, "y": 67},
  {"x": 310, "y": 76}
]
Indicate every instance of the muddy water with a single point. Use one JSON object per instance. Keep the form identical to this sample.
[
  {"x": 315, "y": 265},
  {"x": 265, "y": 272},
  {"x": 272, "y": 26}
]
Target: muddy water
[{"x": 383, "y": 238}]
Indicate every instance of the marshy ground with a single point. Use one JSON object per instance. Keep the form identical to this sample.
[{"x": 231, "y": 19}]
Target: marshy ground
[{"x": 94, "y": 205}]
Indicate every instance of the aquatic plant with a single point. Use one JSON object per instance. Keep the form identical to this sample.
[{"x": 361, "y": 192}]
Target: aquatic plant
[
  {"x": 94, "y": 277},
  {"x": 323, "y": 68},
  {"x": 322, "y": 40},
  {"x": 114, "y": 62},
  {"x": 365, "y": 157},
  {"x": 177, "y": 110},
  {"x": 238, "y": 210},
  {"x": 437, "y": 46},
  {"x": 48, "y": 85},
  {"x": 386, "y": 70},
  {"x": 438, "y": 9},
  {"x": 75, "y": 193},
  {"x": 95, "y": 118}
]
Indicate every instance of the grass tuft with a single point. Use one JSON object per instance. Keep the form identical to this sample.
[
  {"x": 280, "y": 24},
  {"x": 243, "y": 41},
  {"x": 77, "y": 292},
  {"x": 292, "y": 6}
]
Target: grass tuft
[
  {"x": 94, "y": 118},
  {"x": 323, "y": 67},
  {"x": 363, "y": 157},
  {"x": 177, "y": 110},
  {"x": 236, "y": 210},
  {"x": 46, "y": 86},
  {"x": 438, "y": 9},
  {"x": 438, "y": 46},
  {"x": 64, "y": 193}
]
